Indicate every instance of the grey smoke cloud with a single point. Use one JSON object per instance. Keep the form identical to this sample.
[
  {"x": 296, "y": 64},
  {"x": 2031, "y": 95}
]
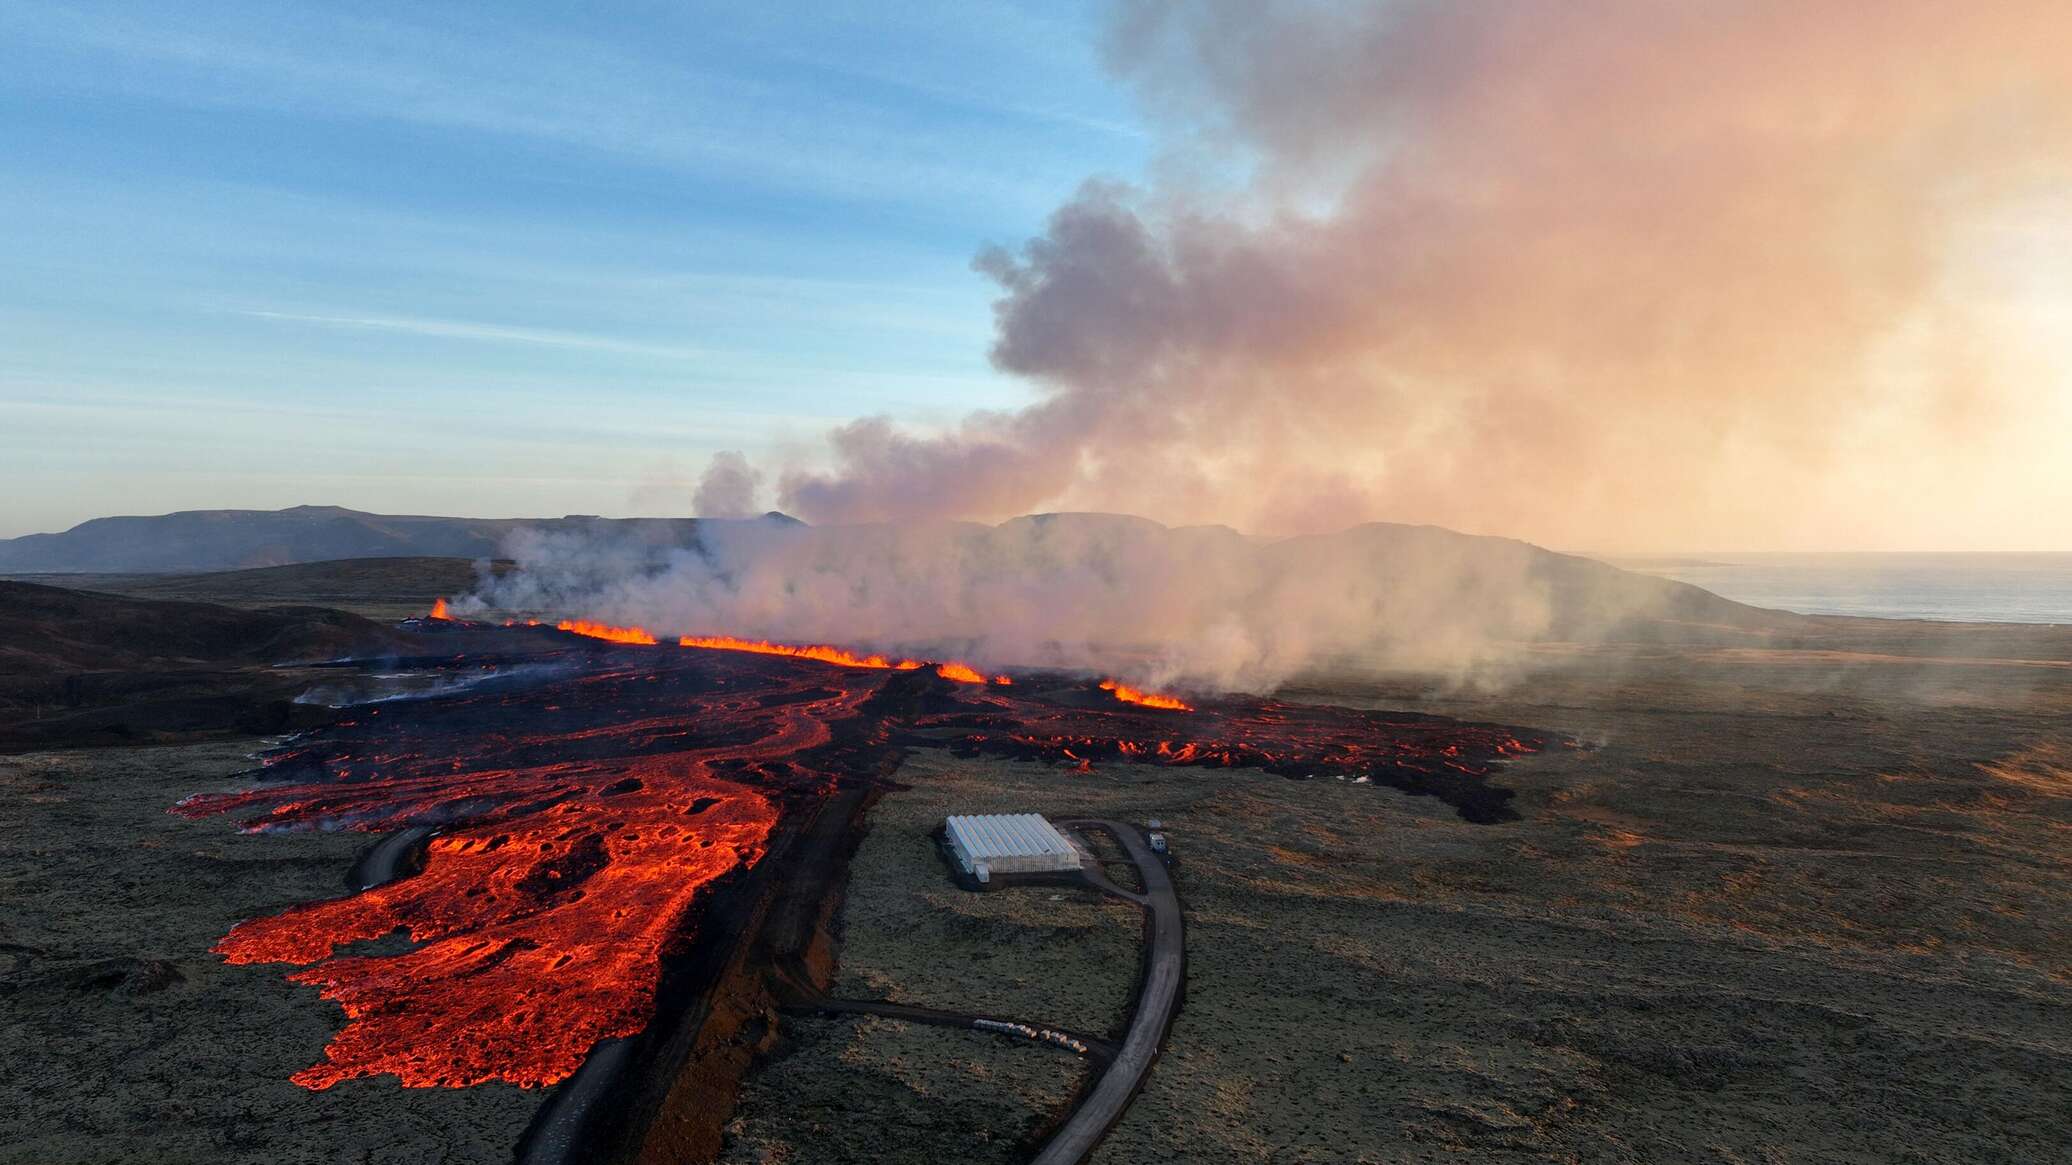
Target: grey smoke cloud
[
  {"x": 728, "y": 488},
  {"x": 1600, "y": 274}
]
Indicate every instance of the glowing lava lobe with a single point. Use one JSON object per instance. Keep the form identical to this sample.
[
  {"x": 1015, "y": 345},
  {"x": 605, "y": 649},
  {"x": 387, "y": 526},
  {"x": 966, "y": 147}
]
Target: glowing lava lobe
[
  {"x": 635, "y": 636},
  {"x": 536, "y": 937},
  {"x": 585, "y": 820},
  {"x": 1130, "y": 695}
]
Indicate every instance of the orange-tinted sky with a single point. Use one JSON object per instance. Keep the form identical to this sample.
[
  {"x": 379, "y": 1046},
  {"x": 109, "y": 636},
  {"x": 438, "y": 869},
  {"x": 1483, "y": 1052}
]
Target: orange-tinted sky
[{"x": 1602, "y": 275}]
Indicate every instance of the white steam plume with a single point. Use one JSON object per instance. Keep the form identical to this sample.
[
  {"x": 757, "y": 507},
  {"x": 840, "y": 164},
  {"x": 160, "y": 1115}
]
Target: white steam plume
[
  {"x": 1599, "y": 273},
  {"x": 1201, "y": 607}
]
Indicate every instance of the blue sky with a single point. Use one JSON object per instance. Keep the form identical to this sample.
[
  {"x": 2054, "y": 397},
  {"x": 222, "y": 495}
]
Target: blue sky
[{"x": 505, "y": 259}]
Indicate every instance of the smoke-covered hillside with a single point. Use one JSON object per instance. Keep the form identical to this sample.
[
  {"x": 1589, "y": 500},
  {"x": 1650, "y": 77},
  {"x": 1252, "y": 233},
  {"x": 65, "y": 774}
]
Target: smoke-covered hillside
[{"x": 1201, "y": 605}]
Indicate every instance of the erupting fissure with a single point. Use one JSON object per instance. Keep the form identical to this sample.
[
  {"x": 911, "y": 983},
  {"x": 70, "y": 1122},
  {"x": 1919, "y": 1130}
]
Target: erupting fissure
[
  {"x": 813, "y": 651},
  {"x": 587, "y": 815},
  {"x": 1130, "y": 695},
  {"x": 962, "y": 673},
  {"x": 605, "y": 631}
]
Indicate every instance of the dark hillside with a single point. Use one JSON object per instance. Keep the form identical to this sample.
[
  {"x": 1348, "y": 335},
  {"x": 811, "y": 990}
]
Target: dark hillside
[
  {"x": 82, "y": 668},
  {"x": 379, "y": 588}
]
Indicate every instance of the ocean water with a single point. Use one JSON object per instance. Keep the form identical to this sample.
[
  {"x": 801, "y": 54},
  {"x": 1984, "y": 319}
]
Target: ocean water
[{"x": 1984, "y": 588}]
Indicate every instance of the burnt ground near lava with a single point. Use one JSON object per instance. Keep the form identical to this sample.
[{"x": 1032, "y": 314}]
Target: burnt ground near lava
[
  {"x": 597, "y": 807},
  {"x": 1794, "y": 904}
]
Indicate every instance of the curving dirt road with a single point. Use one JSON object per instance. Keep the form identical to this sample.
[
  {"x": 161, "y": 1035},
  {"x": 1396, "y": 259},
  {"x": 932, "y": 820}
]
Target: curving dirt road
[
  {"x": 1158, "y": 999},
  {"x": 394, "y": 856}
]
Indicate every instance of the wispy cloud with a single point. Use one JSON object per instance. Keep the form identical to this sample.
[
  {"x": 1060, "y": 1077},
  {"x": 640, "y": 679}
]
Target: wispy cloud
[
  {"x": 773, "y": 126},
  {"x": 489, "y": 333}
]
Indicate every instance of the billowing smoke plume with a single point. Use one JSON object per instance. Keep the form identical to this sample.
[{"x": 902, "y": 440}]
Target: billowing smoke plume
[
  {"x": 1200, "y": 607},
  {"x": 728, "y": 488},
  {"x": 1705, "y": 274},
  {"x": 1724, "y": 273}
]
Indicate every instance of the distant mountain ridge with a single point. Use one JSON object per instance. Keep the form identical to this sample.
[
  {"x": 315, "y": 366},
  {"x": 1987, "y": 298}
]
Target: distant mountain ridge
[{"x": 212, "y": 540}]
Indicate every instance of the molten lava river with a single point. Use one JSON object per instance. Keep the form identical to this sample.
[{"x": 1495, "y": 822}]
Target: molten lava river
[{"x": 590, "y": 798}]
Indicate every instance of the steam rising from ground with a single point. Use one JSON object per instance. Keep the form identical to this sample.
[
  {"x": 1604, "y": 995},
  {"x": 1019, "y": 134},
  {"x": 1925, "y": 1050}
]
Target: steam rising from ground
[
  {"x": 1745, "y": 273},
  {"x": 1201, "y": 607}
]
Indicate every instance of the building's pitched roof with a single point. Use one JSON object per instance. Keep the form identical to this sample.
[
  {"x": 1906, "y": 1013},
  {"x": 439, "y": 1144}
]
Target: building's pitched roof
[{"x": 993, "y": 835}]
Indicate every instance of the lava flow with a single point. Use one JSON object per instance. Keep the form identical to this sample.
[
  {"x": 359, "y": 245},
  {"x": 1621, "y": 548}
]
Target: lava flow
[
  {"x": 962, "y": 673},
  {"x": 607, "y": 632},
  {"x": 1130, "y": 695},
  {"x": 819, "y": 653},
  {"x": 589, "y": 812},
  {"x": 539, "y": 931}
]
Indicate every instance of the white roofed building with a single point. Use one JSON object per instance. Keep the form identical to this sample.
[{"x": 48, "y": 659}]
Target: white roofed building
[{"x": 1008, "y": 843}]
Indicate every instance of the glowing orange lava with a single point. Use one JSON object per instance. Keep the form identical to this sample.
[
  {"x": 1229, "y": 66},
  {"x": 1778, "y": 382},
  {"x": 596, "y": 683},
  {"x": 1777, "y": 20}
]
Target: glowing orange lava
[
  {"x": 589, "y": 815},
  {"x": 439, "y": 609},
  {"x": 605, "y": 631},
  {"x": 537, "y": 937},
  {"x": 814, "y": 651},
  {"x": 581, "y": 828},
  {"x": 1130, "y": 695}
]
